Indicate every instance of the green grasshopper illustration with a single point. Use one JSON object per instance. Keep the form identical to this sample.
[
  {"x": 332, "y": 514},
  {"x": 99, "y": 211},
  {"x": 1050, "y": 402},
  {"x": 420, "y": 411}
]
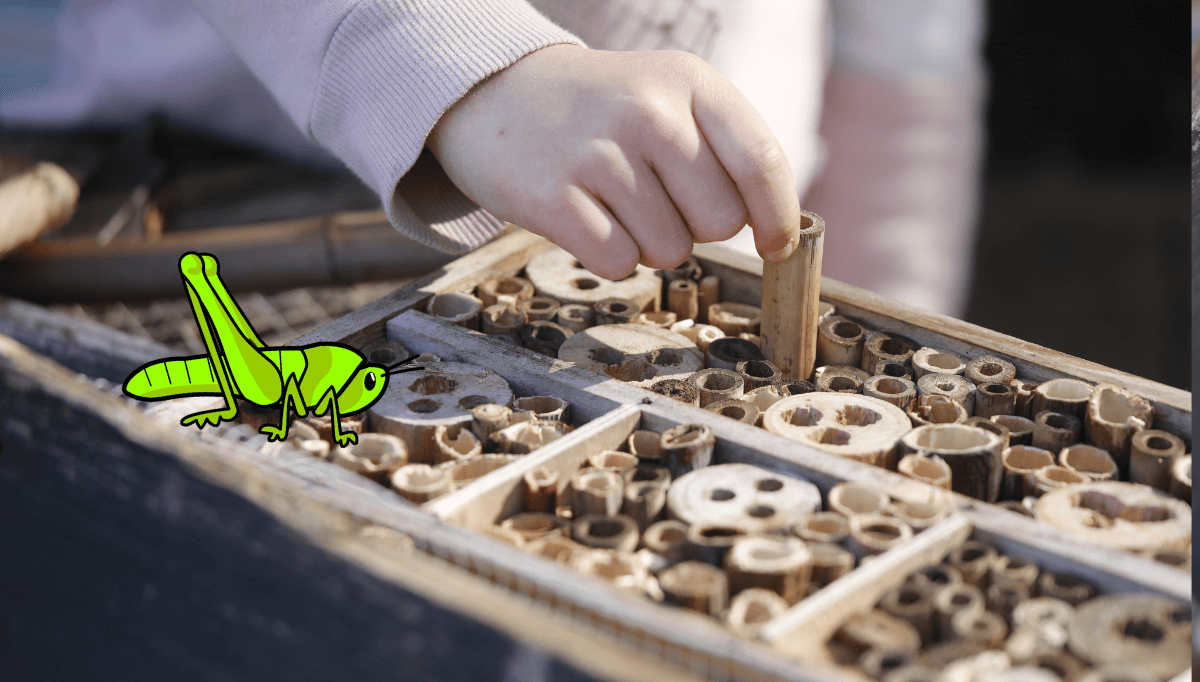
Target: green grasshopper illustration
[{"x": 325, "y": 378}]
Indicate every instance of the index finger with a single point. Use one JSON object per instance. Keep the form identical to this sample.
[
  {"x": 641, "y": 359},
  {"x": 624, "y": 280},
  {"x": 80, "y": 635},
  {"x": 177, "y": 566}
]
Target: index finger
[{"x": 755, "y": 161}]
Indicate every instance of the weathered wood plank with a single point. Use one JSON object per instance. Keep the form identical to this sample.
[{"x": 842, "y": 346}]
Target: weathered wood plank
[{"x": 87, "y": 347}]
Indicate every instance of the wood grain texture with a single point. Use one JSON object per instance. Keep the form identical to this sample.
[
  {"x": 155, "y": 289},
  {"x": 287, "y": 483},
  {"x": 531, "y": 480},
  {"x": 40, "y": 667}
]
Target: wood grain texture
[{"x": 790, "y": 299}]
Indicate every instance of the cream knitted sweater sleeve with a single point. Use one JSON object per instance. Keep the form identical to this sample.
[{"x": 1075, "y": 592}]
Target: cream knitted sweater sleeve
[{"x": 368, "y": 79}]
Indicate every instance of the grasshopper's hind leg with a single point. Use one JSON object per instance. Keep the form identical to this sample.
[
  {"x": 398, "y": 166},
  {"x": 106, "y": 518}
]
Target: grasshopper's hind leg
[
  {"x": 238, "y": 353},
  {"x": 291, "y": 393}
]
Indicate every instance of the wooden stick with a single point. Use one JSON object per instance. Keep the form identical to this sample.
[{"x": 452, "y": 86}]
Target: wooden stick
[{"x": 790, "y": 302}]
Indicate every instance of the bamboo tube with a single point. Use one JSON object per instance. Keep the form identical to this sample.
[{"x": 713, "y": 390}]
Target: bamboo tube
[
  {"x": 683, "y": 299},
  {"x": 710, "y": 293},
  {"x": 1020, "y": 463},
  {"x": 990, "y": 369},
  {"x": 1069, "y": 396},
  {"x": 697, "y": 586},
  {"x": 576, "y": 317},
  {"x": 1113, "y": 417},
  {"x": 1152, "y": 453},
  {"x": 1020, "y": 429},
  {"x": 1054, "y": 431},
  {"x": 992, "y": 398},
  {"x": 790, "y": 302},
  {"x": 541, "y": 490},
  {"x": 1094, "y": 463},
  {"x": 839, "y": 341},
  {"x": 972, "y": 559}
]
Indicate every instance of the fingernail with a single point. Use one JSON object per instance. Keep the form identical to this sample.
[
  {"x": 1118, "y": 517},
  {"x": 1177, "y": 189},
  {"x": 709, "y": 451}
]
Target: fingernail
[{"x": 781, "y": 254}]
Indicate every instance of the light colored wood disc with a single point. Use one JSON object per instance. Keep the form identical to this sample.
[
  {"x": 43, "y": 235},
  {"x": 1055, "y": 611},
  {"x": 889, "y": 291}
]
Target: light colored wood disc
[
  {"x": 845, "y": 424},
  {"x": 636, "y": 353},
  {"x": 741, "y": 496},
  {"x": 557, "y": 274}
]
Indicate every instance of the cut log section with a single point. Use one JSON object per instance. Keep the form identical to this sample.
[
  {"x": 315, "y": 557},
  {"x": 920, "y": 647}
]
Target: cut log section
[
  {"x": 741, "y": 496},
  {"x": 557, "y": 274},
  {"x": 635, "y": 353},
  {"x": 1121, "y": 515},
  {"x": 852, "y": 426}
]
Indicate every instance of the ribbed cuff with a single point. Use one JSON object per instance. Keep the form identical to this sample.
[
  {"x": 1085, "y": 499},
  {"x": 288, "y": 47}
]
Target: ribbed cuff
[{"x": 391, "y": 70}]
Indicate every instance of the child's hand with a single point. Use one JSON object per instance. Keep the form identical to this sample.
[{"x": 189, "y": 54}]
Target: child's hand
[{"x": 620, "y": 157}]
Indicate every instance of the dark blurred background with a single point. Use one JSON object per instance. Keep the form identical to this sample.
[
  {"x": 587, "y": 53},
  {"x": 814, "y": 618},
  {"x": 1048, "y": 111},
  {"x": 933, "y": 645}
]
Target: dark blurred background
[{"x": 1084, "y": 241}]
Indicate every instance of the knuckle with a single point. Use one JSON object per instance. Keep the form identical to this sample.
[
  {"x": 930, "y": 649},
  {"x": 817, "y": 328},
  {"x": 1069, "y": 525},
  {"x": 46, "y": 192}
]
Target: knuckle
[{"x": 761, "y": 160}]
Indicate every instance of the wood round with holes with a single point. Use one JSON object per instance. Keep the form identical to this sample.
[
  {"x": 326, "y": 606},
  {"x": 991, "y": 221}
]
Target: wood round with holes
[
  {"x": 557, "y": 274},
  {"x": 852, "y": 426},
  {"x": 742, "y": 496},
  {"x": 1142, "y": 630},
  {"x": 442, "y": 394},
  {"x": 634, "y": 353},
  {"x": 973, "y": 455},
  {"x": 1116, "y": 514}
]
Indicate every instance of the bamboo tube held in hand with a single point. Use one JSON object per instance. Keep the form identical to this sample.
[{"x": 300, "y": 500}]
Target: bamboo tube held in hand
[{"x": 790, "y": 305}]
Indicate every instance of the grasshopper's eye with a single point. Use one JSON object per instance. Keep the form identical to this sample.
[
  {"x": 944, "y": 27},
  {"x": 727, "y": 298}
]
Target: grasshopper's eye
[{"x": 370, "y": 381}]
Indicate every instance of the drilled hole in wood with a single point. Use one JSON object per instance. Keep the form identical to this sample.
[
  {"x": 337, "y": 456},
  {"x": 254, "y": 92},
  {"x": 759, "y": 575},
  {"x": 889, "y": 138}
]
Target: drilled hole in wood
[
  {"x": 1140, "y": 628},
  {"x": 424, "y": 405},
  {"x": 909, "y": 596},
  {"x": 585, "y": 283},
  {"x": 608, "y": 356},
  {"x": 832, "y": 436},
  {"x": 720, "y": 532},
  {"x": 805, "y": 416},
  {"x": 857, "y": 415},
  {"x": 769, "y": 485},
  {"x": 721, "y": 495},
  {"x": 384, "y": 356},
  {"x": 761, "y": 511},
  {"x": 432, "y": 384},
  {"x": 665, "y": 357},
  {"x": 1112, "y": 508},
  {"x": 472, "y": 401}
]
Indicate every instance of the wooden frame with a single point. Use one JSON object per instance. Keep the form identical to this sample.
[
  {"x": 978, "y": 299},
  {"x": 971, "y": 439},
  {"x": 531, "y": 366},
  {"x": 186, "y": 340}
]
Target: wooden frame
[{"x": 611, "y": 407}]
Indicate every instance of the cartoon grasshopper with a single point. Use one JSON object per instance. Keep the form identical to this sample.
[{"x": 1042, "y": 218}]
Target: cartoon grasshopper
[{"x": 326, "y": 378}]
